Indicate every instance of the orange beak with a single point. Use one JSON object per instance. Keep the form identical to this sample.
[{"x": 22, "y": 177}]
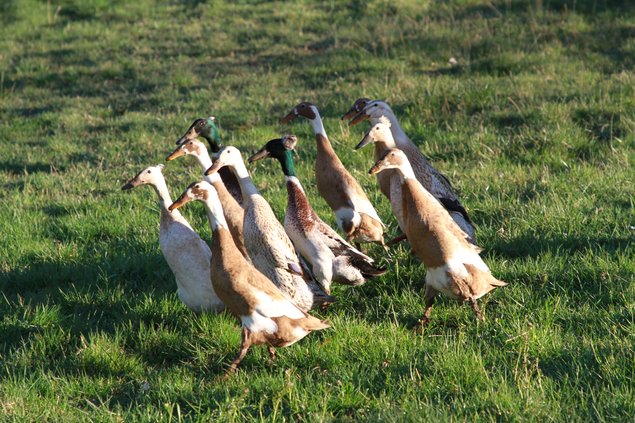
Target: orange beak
[
  {"x": 175, "y": 154},
  {"x": 182, "y": 200},
  {"x": 215, "y": 167}
]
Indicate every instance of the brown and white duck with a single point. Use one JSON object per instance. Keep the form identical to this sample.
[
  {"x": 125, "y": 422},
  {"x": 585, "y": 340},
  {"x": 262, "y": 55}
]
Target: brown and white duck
[
  {"x": 266, "y": 315},
  {"x": 187, "y": 255},
  {"x": 354, "y": 213},
  {"x": 332, "y": 259},
  {"x": 453, "y": 265},
  {"x": 234, "y": 213},
  {"x": 432, "y": 180},
  {"x": 268, "y": 245}
]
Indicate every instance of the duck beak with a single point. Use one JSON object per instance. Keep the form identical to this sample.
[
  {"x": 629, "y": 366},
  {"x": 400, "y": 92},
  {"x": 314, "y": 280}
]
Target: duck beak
[
  {"x": 189, "y": 135},
  {"x": 259, "y": 155},
  {"x": 215, "y": 167},
  {"x": 348, "y": 115},
  {"x": 289, "y": 117},
  {"x": 129, "y": 185},
  {"x": 365, "y": 141},
  {"x": 175, "y": 154},
  {"x": 378, "y": 167},
  {"x": 181, "y": 201},
  {"x": 360, "y": 117}
]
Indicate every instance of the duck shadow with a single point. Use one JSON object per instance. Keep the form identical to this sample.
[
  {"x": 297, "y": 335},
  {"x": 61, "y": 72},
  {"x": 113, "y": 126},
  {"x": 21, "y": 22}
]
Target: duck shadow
[{"x": 85, "y": 298}]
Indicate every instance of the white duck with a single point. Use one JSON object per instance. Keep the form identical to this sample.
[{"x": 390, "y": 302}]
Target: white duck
[
  {"x": 187, "y": 255},
  {"x": 268, "y": 245}
]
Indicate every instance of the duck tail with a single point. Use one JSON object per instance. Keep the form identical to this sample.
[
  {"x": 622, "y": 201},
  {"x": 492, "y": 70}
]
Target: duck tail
[
  {"x": 367, "y": 269},
  {"x": 311, "y": 323},
  {"x": 483, "y": 278}
]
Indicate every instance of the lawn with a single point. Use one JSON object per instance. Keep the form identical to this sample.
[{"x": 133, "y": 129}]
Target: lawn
[{"x": 534, "y": 126}]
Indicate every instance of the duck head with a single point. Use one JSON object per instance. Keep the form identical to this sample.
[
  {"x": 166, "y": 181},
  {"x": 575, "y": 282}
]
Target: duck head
[
  {"x": 380, "y": 132},
  {"x": 304, "y": 109},
  {"x": 276, "y": 148},
  {"x": 150, "y": 175},
  {"x": 195, "y": 191},
  {"x": 191, "y": 147},
  {"x": 373, "y": 110},
  {"x": 205, "y": 128},
  {"x": 280, "y": 149},
  {"x": 357, "y": 107},
  {"x": 392, "y": 159},
  {"x": 227, "y": 156}
]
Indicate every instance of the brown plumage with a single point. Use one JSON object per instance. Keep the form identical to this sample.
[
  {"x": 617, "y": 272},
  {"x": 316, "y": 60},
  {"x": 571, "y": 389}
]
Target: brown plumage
[
  {"x": 453, "y": 264},
  {"x": 267, "y": 316}
]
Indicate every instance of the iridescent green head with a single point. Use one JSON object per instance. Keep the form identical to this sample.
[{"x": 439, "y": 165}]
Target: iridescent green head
[
  {"x": 280, "y": 149},
  {"x": 205, "y": 128}
]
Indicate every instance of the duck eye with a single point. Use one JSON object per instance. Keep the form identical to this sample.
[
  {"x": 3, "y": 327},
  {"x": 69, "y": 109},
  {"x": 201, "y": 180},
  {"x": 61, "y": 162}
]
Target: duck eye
[{"x": 149, "y": 171}]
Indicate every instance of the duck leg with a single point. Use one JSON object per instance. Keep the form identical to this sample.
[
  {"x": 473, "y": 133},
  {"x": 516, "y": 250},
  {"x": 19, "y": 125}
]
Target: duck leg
[
  {"x": 246, "y": 344},
  {"x": 476, "y": 309},
  {"x": 431, "y": 293},
  {"x": 272, "y": 353}
]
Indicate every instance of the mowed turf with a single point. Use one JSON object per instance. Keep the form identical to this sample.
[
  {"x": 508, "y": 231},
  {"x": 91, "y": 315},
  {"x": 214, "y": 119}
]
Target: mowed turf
[{"x": 534, "y": 127}]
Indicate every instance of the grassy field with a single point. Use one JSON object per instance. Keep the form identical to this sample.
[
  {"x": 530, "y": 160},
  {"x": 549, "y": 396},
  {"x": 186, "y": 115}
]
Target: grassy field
[{"x": 534, "y": 127}]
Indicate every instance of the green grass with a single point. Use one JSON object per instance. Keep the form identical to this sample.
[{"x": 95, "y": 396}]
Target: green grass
[{"x": 534, "y": 127}]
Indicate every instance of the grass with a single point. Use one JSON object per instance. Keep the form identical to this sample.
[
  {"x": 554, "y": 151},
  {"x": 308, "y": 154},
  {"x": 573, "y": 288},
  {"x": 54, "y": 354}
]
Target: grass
[{"x": 534, "y": 126}]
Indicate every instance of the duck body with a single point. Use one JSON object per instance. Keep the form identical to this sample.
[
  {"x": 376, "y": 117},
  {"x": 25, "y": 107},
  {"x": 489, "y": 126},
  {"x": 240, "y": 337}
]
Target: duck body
[
  {"x": 267, "y": 316},
  {"x": 453, "y": 265},
  {"x": 431, "y": 179},
  {"x": 186, "y": 254},
  {"x": 332, "y": 259},
  {"x": 268, "y": 246},
  {"x": 234, "y": 213},
  {"x": 354, "y": 213}
]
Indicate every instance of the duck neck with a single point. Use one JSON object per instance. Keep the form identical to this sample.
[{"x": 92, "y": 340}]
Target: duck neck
[
  {"x": 165, "y": 200},
  {"x": 206, "y": 162},
  {"x": 286, "y": 161},
  {"x": 247, "y": 186},
  {"x": 323, "y": 144},
  {"x": 406, "y": 172},
  {"x": 215, "y": 213},
  {"x": 213, "y": 138}
]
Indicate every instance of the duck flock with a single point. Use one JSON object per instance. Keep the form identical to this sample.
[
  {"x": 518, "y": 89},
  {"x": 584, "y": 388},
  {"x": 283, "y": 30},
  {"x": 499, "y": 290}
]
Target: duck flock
[{"x": 270, "y": 275}]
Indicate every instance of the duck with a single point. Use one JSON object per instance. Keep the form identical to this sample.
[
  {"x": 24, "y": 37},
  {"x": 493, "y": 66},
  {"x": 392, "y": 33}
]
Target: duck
[
  {"x": 206, "y": 128},
  {"x": 187, "y": 255},
  {"x": 453, "y": 265},
  {"x": 234, "y": 213},
  {"x": 332, "y": 259},
  {"x": 268, "y": 245},
  {"x": 354, "y": 213},
  {"x": 267, "y": 316},
  {"x": 433, "y": 180}
]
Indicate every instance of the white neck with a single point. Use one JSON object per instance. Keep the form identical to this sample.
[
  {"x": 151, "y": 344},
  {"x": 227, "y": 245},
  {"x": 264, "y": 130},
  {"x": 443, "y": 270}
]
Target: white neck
[
  {"x": 165, "y": 200},
  {"x": 397, "y": 133},
  {"x": 215, "y": 212},
  {"x": 318, "y": 126},
  {"x": 406, "y": 172},
  {"x": 247, "y": 186},
  {"x": 294, "y": 180},
  {"x": 389, "y": 140},
  {"x": 205, "y": 162}
]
